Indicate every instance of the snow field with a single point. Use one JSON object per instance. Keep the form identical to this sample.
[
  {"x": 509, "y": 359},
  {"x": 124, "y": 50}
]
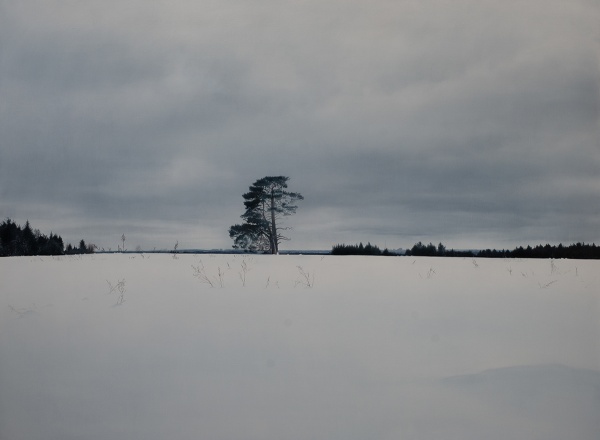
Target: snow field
[{"x": 141, "y": 346}]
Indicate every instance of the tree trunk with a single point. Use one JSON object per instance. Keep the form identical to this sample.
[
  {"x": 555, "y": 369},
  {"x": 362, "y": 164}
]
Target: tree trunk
[{"x": 274, "y": 249}]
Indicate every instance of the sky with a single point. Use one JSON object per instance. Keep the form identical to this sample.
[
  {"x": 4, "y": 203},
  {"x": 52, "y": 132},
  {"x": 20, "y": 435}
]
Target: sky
[{"x": 472, "y": 123}]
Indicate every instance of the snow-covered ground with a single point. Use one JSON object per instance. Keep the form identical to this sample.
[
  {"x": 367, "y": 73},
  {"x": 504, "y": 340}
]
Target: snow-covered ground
[{"x": 298, "y": 347}]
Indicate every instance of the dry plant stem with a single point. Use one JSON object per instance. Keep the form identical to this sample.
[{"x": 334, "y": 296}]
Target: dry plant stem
[
  {"x": 276, "y": 283},
  {"x": 545, "y": 286},
  {"x": 200, "y": 273},
  {"x": 305, "y": 279},
  {"x": 430, "y": 273},
  {"x": 221, "y": 276},
  {"x": 22, "y": 312},
  {"x": 119, "y": 288},
  {"x": 244, "y": 272}
]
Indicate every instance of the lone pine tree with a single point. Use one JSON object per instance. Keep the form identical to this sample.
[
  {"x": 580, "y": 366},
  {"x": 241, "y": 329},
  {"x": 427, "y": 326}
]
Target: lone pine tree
[{"x": 266, "y": 203}]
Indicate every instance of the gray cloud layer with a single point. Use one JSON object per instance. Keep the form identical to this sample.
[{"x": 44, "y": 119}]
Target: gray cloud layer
[{"x": 475, "y": 123}]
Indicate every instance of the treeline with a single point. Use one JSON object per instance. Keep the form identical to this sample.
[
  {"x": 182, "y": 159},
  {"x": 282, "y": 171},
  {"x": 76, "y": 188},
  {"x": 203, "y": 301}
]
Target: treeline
[
  {"x": 23, "y": 241},
  {"x": 580, "y": 251},
  {"x": 431, "y": 250},
  {"x": 358, "y": 249}
]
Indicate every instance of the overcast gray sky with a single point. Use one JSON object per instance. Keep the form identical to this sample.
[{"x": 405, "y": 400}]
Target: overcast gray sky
[{"x": 471, "y": 122}]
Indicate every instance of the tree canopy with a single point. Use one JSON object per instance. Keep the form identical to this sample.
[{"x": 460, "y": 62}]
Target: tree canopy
[{"x": 266, "y": 202}]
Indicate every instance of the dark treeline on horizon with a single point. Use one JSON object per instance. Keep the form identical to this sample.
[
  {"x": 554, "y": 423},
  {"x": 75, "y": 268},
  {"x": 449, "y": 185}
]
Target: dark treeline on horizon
[
  {"x": 575, "y": 251},
  {"x": 18, "y": 241},
  {"x": 579, "y": 251},
  {"x": 358, "y": 249}
]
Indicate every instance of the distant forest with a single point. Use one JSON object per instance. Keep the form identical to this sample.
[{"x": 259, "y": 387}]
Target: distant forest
[
  {"x": 575, "y": 251},
  {"x": 358, "y": 249},
  {"x": 579, "y": 251},
  {"x": 23, "y": 241}
]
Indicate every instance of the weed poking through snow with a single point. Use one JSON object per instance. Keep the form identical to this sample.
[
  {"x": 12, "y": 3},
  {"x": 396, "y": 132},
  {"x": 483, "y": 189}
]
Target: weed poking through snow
[
  {"x": 275, "y": 283},
  {"x": 545, "y": 286},
  {"x": 200, "y": 273},
  {"x": 305, "y": 278},
  {"x": 120, "y": 289},
  {"x": 23, "y": 311},
  {"x": 221, "y": 276},
  {"x": 430, "y": 273},
  {"x": 243, "y": 272}
]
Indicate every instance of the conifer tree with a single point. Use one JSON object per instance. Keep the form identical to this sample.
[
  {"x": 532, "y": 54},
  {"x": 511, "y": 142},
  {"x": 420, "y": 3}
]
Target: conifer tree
[{"x": 266, "y": 203}]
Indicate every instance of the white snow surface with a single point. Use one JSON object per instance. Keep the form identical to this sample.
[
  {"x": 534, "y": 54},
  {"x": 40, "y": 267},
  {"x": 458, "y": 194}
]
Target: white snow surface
[{"x": 306, "y": 347}]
